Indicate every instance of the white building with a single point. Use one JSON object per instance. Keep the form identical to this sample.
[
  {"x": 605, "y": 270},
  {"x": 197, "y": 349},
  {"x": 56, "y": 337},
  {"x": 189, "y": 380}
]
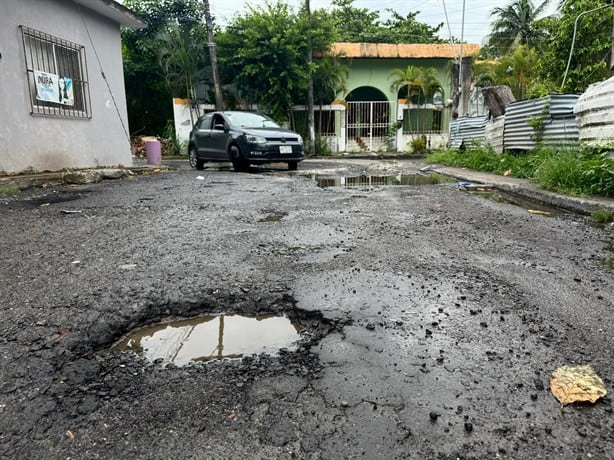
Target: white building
[{"x": 62, "y": 91}]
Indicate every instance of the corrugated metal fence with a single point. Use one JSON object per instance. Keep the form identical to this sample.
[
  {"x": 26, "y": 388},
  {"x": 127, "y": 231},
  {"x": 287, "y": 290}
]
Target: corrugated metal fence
[
  {"x": 549, "y": 120},
  {"x": 464, "y": 130},
  {"x": 595, "y": 113}
]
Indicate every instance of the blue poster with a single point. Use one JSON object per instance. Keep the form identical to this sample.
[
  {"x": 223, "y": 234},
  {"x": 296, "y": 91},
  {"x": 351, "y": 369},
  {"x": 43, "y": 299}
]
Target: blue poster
[{"x": 66, "y": 96}]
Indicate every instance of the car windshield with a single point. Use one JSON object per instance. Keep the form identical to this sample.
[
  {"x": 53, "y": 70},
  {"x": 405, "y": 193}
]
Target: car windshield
[{"x": 250, "y": 120}]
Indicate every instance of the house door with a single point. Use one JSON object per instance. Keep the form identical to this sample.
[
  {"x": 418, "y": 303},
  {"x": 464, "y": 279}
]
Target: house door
[{"x": 368, "y": 123}]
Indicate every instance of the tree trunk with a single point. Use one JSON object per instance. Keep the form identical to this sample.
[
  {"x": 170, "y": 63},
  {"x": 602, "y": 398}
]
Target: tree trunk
[{"x": 497, "y": 98}]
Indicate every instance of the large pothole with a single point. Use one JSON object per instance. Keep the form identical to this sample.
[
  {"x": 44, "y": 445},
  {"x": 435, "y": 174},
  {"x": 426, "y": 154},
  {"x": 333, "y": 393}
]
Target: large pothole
[
  {"x": 325, "y": 181},
  {"x": 213, "y": 337}
]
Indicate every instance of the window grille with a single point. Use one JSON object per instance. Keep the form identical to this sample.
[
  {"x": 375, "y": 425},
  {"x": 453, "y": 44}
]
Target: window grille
[{"x": 57, "y": 76}]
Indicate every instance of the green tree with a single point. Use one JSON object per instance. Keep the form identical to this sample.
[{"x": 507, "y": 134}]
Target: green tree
[
  {"x": 420, "y": 83},
  {"x": 357, "y": 25},
  {"x": 409, "y": 79},
  {"x": 353, "y": 24},
  {"x": 264, "y": 53},
  {"x": 518, "y": 70},
  {"x": 182, "y": 58},
  {"x": 590, "y": 58},
  {"x": 329, "y": 79},
  {"x": 399, "y": 29},
  {"x": 515, "y": 24},
  {"x": 149, "y": 96}
]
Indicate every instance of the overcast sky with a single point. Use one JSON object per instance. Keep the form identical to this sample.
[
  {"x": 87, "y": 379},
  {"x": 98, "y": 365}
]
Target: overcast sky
[{"x": 477, "y": 12}]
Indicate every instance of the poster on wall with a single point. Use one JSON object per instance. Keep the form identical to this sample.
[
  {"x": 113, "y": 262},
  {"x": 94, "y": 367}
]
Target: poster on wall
[
  {"x": 46, "y": 86},
  {"x": 66, "y": 91},
  {"x": 53, "y": 88}
]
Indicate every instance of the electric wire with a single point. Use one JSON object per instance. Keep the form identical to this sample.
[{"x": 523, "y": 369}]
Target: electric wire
[
  {"x": 449, "y": 31},
  {"x": 104, "y": 77}
]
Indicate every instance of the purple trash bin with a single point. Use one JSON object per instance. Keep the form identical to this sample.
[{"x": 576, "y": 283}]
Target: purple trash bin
[{"x": 154, "y": 156}]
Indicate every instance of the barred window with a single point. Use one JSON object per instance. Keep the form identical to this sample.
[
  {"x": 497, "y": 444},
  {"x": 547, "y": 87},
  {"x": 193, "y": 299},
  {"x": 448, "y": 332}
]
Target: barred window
[{"x": 57, "y": 76}]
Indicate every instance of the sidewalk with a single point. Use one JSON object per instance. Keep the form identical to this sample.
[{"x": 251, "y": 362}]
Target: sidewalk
[{"x": 525, "y": 189}]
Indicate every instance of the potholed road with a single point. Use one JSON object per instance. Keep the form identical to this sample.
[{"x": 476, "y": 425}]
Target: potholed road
[{"x": 432, "y": 319}]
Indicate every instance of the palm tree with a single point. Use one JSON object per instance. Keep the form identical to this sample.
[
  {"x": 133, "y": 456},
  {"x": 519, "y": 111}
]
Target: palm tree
[
  {"x": 518, "y": 70},
  {"x": 329, "y": 80},
  {"x": 179, "y": 56},
  {"x": 430, "y": 86},
  {"x": 515, "y": 24},
  {"x": 420, "y": 83},
  {"x": 409, "y": 78}
]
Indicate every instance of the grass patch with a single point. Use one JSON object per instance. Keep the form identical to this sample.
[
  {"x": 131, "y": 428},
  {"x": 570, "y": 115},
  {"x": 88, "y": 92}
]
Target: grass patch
[
  {"x": 603, "y": 216},
  {"x": 580, "y": 171},
  {"x": 9, "y": 191}
]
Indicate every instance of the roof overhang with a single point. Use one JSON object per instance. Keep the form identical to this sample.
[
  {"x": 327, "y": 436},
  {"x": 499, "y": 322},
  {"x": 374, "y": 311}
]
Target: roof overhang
[
  {"x": 404, "y": 51},
  {"x": 114, "y": 11}
]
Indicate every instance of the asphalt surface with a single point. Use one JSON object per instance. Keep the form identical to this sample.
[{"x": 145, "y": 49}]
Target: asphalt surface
[{"x": 432, "y": 317}]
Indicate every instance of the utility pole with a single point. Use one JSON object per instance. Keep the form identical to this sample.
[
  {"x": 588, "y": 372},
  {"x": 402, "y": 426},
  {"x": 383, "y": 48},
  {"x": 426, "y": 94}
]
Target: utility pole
[
  {"x": 219, "y": 103},
  {"x": 310, "y": 114}
]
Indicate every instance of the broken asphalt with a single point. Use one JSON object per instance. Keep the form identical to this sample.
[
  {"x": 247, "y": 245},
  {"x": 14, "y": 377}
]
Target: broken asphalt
[{"x": 522, "y": 188}]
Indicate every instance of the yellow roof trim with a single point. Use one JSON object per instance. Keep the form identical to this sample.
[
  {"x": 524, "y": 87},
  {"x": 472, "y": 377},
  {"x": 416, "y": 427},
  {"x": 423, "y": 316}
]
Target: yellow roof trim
[{"x": 404, "y": 50}]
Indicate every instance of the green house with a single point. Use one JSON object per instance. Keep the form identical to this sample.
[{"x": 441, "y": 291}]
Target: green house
[{"x": 372, "y": 116}]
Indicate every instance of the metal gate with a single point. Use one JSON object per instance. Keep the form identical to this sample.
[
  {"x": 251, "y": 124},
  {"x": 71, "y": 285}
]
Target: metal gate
[{"x": 368, "y": 124}]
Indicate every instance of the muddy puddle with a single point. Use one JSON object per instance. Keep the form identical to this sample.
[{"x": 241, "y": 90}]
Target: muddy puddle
[
  {"x": 210, "y": 338},
  {"x": 532, "y": 207},
  {"x": 325, "y": 181}
]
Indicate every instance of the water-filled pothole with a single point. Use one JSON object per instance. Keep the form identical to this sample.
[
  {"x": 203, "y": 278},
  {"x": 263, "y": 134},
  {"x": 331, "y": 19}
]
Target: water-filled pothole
[
  {"x": 533, "y": 207},
  {"x": 369, "y": 181},
  {"x": 209, "y": 338}
]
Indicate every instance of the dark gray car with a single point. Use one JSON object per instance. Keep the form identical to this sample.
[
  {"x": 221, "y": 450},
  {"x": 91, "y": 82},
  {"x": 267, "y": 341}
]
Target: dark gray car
[{"x": 243, "y": 138}]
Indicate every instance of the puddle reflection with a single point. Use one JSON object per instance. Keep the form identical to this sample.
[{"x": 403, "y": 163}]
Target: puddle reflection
[
  {"x": 208, "y": 338},
  {"x": 365, "y": 180}
]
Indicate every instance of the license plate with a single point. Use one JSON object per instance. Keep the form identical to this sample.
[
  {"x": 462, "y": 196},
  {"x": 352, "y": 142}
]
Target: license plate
[{"x": 283, "y": 149}]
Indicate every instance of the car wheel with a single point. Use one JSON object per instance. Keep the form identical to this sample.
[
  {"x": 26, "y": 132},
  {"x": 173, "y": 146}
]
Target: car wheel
[
  {"x": 195, "y": 162},
  {"x": 292, "y": 165},
  {"x": 238, "y": 163}
]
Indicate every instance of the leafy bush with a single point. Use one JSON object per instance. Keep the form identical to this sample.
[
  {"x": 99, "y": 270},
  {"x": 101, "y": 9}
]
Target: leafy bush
[
  {"x": 577, "y": 172},
  {"x": 321, "y": 146},
  {"x": 418, "y": 145},
  {"x": 580, "y": 171}
]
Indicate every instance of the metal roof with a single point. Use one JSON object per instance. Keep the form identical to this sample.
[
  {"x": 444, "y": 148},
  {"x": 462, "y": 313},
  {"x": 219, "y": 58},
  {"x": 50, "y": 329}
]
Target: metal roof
[
  {"x": 403, "y": 50},
  {"x": 114, "y": 11}
]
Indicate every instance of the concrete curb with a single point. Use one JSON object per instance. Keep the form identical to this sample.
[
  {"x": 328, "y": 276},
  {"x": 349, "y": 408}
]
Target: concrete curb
[
  {"x": 523, "y": 188},
  {"x": 80, "y": 176}
]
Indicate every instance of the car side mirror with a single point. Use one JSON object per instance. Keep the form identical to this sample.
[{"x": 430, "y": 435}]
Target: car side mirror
[{"x": 219, "y": 127}]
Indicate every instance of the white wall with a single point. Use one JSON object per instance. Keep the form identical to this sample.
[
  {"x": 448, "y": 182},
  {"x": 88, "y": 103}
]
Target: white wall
[{"x": 48, "y": 144}]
